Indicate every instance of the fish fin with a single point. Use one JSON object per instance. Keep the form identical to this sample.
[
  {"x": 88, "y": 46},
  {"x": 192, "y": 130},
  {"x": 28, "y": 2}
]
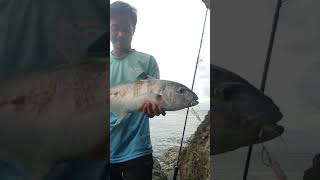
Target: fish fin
[
  {"x": 151, "y": 77},
  {"x": 144, "y": 76},
  {"x": 151, "y": 97},
  {"x": 141, "y": 77},
  {"x": 155, "y": 98}
]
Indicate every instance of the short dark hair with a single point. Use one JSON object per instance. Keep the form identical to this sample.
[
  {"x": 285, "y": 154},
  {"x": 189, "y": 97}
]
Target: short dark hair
[{"x": 122, "y": 8}]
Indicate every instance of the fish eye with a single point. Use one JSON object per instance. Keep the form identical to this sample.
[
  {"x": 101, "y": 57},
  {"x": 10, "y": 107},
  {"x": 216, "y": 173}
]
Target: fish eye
[
  {"x": 229, "y": 93},
  {"x": 181, "y": 90},
  {"x": 226, "y": 93}
]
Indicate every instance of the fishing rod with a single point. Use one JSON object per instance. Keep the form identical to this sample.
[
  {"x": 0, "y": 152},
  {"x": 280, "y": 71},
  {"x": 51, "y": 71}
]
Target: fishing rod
[
  {"x": 265, "y": 72},
  {"x": 176, "y": 169}
]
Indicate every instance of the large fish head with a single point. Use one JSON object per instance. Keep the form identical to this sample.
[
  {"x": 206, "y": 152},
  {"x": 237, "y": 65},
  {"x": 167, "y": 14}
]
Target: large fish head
[
  {"x": 241, "y": 113},
  {"x": 178, "y": 96}
]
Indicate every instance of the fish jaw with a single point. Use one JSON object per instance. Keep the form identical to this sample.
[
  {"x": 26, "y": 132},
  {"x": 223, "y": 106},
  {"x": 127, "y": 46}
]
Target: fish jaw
[
  {"x": 194, "y": 103},
  {"x": 191, "y": 98}
]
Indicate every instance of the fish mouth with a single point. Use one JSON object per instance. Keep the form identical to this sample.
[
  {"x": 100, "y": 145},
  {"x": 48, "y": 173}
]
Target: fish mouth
[
  {"x": 263, "y": 127},
  {"x": 265, "y": 118},
  {"x": 193, "y": 103},
  {"x": 270, "y": 131}
]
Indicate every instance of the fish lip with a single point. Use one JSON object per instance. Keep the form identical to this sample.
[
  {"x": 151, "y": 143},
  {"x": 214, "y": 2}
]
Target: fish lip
[
  {"x": 195, "y": 97},
  {"x": 276, "y": 116},
  {"x": 257, "y": 121},
  {"x": 193, "y": 103},
  {"x": 274, "y": 132}
]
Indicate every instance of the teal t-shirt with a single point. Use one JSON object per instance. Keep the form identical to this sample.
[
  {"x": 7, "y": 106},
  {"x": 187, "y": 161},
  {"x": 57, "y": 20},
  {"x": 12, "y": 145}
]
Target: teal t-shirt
[{"x": 131, "y": 138}]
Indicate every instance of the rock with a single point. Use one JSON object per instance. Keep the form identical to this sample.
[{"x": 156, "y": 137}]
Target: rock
[
  {"x": 157, "y": 172},
  {"x": 170, "y": 159},
  {"x": 195, "y": 157}
]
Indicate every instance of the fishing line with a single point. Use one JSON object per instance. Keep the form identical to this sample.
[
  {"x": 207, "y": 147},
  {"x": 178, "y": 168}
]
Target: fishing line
[
  {"x": 176, "y": 169},
  {"x": 265, "y": 73}
]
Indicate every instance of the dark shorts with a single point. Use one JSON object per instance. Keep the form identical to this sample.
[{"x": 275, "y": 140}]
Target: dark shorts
[{"x": 136, "y": 169}]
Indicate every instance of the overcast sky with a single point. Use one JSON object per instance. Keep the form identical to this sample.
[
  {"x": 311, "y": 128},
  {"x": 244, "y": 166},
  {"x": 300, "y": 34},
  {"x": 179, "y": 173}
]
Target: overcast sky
[{"x": 171, "y": 32}]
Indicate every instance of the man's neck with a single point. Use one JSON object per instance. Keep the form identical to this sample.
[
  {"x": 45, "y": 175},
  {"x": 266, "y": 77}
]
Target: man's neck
[{"x": 121, "y": 52}]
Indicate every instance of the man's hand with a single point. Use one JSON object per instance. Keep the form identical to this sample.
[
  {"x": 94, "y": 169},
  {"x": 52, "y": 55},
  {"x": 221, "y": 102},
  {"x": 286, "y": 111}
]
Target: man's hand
[{"x": 152, "y": 109}]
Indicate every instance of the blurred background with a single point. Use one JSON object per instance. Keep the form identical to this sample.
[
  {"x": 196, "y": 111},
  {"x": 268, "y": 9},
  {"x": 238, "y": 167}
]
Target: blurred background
[{"x": 241, "y": 35}]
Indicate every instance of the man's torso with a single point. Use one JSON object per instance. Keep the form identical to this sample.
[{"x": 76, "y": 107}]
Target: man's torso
[{"x": 131, "y": 138}]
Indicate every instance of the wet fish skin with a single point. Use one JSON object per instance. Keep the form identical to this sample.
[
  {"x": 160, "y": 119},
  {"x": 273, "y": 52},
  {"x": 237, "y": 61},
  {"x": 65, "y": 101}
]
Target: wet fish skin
[
  {"x": 239, "y": 112},
  {"x": 130, "y": 97},
  {"x": 52, "y": 116}
]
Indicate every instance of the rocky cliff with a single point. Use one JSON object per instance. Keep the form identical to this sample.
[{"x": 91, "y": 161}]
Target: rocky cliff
[{"x": 194, "y": 159}]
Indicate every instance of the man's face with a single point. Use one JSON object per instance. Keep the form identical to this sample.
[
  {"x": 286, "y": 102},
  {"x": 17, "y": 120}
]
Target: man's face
[{"x": 121, "y": 32}]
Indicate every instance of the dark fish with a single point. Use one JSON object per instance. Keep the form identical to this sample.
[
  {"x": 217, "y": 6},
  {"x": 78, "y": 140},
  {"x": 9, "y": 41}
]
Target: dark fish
[{"x": 241, "y": 113}]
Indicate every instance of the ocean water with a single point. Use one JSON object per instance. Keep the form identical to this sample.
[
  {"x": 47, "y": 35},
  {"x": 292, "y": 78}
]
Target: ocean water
[{"x": 166, "y": 131}]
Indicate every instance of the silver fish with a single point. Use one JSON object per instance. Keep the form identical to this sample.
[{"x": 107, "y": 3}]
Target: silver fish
[{"x": 130, "y": 97}]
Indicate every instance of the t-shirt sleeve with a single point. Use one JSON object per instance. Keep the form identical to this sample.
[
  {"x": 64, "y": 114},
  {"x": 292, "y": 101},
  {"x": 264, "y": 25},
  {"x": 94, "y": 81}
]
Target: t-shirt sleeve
[{"x": 153, "y": 68}]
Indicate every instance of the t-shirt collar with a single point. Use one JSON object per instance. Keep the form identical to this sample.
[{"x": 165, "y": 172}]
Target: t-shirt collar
[{"x": 121, "y": 57}]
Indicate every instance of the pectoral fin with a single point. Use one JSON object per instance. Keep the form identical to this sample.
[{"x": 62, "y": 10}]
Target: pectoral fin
[
  {"x": 153, "y": 98},
  {"x": 144, "y": 76}
]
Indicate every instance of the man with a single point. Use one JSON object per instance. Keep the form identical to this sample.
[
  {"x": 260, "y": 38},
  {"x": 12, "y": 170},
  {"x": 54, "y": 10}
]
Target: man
[{"x": 130, "y": 144}]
